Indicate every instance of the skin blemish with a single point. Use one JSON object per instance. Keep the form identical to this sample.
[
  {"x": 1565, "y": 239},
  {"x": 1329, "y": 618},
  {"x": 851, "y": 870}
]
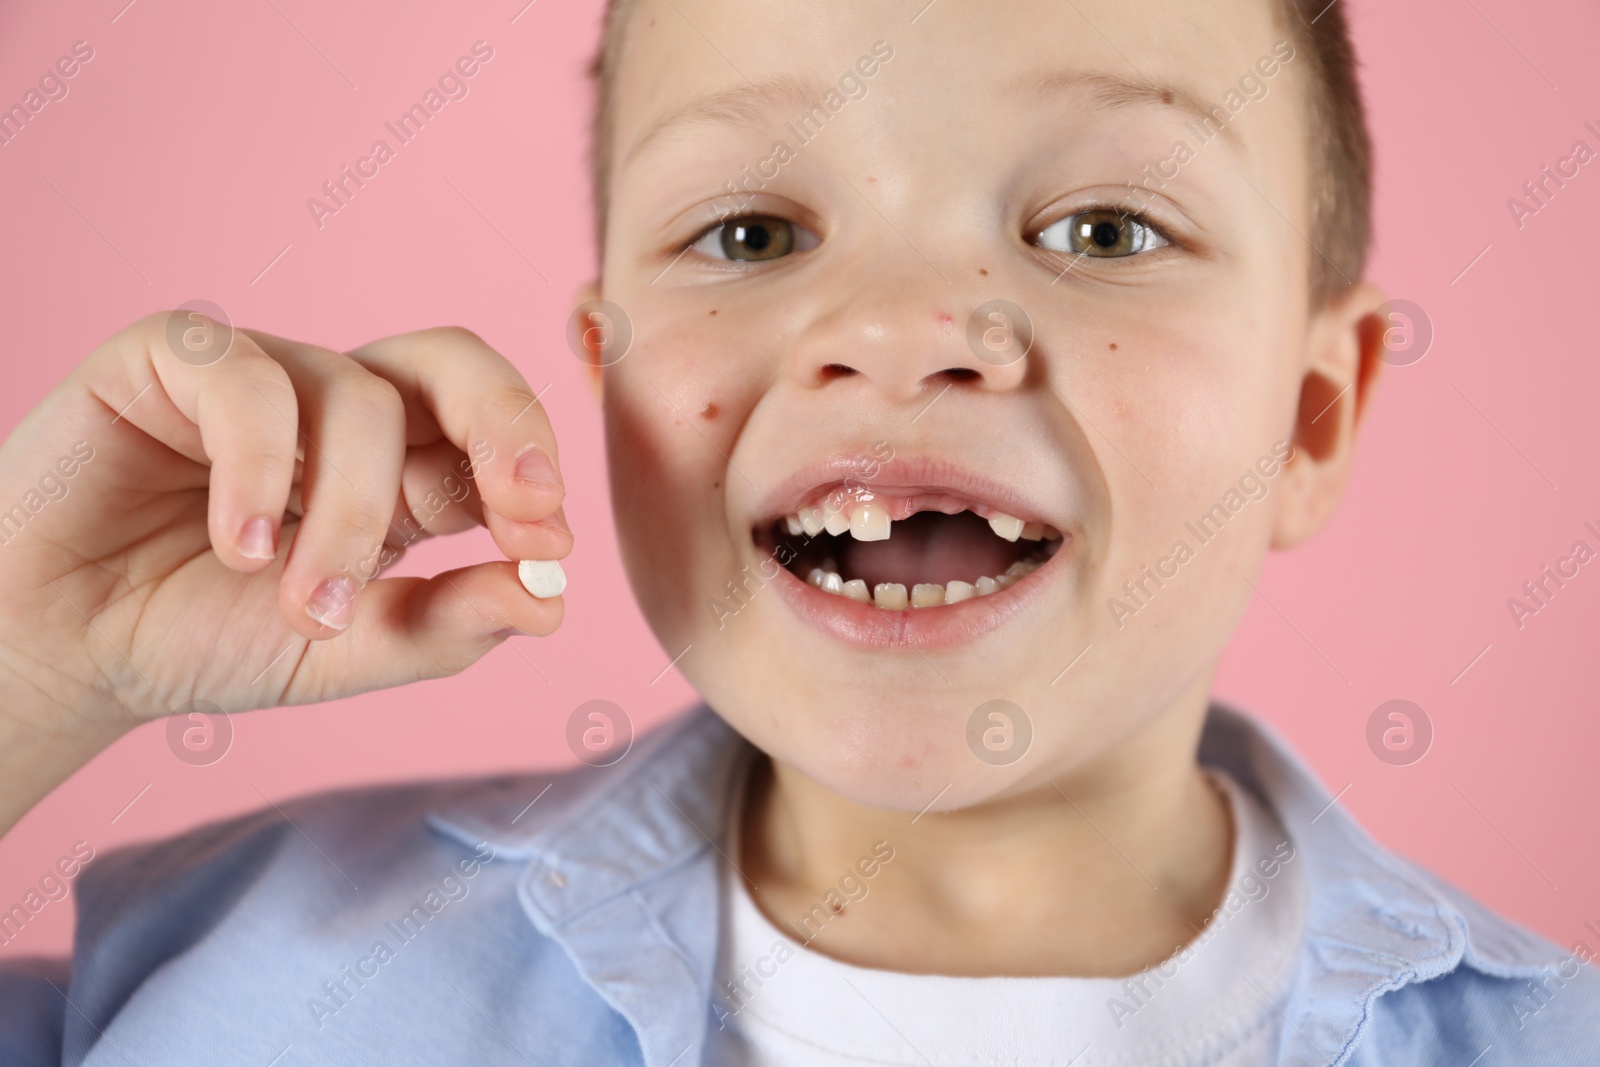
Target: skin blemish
[
  {"x": 945, "y": 321},
  {"x": 710, "y": 411},
  {"x": 1113, "y": 346},
  {"x": 1166, "y": 97},
  {"x": 983, "y": 271},
  {"x": 713, "y": 311}
]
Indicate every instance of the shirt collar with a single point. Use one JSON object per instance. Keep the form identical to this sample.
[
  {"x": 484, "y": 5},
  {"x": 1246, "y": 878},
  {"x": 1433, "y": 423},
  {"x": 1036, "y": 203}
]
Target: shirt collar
[
  {"x": 1374, "y": 921},
  {"x": 621, "y": 870}
]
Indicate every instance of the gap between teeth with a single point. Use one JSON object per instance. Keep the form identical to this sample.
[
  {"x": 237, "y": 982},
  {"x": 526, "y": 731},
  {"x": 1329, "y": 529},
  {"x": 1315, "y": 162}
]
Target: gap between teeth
[
  {"x": 892, "y": 596},
  {"x": 867, "y": 520}
]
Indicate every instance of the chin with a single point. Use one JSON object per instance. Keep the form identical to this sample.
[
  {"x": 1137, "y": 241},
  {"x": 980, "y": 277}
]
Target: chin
[{"x": 872, "y": 749}]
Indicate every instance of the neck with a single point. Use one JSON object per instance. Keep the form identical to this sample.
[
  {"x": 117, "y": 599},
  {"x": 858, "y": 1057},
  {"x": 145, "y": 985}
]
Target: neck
[{"x": 1103, "y": 871}]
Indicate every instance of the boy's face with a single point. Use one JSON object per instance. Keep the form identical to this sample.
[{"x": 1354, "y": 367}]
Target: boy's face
[{"x": 982, "y": 152}]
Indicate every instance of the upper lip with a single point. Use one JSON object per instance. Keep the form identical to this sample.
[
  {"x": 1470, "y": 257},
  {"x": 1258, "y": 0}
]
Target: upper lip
[{"x": 899, "y": 476}]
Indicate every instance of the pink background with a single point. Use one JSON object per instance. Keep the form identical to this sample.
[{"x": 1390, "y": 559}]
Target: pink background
[{"x": 194, "y": 137}]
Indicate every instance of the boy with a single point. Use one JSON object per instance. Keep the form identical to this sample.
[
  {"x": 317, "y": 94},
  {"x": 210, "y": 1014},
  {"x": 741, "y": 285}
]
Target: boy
[{"x": 972, "y": 376}]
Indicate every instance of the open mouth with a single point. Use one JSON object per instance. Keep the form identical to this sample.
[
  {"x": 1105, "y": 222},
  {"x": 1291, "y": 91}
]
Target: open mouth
[{"x": 909, "y": 550}]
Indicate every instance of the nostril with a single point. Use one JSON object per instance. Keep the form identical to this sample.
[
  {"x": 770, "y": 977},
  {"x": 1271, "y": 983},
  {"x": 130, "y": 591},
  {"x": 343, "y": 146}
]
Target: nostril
[
  {"x": 960, "y": 374},
  {"x": 835, "y": 370}
]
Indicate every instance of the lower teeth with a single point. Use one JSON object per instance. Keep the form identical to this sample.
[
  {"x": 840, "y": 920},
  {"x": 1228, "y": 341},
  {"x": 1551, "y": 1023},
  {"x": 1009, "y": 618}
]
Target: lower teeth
[{"x": 892, "y": 596}]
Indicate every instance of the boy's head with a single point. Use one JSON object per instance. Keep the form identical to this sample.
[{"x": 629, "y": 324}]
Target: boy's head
[{"x": 809, "y": 214}]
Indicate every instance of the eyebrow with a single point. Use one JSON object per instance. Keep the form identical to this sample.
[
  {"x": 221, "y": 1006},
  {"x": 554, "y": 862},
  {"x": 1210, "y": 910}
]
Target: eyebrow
[
  {"x": 1109, "y": 90},
  {"x": 753, "y": 106}
]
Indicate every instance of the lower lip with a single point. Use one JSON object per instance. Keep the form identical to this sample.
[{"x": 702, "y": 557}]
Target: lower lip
[{"x": 945, "y": 626}]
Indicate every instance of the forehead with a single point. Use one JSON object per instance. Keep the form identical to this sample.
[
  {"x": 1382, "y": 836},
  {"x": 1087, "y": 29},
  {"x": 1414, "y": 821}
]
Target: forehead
[{"x": 693, "y": 63}]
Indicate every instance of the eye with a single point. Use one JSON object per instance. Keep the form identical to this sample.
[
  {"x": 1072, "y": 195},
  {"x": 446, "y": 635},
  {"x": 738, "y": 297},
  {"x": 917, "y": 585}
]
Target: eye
[
  {"x": 1103, "y": 232},
  {"x": 754, "y": 239}
]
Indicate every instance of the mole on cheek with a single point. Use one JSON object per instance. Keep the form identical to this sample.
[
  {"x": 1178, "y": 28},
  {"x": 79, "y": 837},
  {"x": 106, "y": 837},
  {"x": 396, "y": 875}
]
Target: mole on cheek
[
  {"x": 983, "y": 271},
  {"x": 710, "y": 411},
  {"x": 1113, "y": 346},
  {"x": 713, "y": 311}
]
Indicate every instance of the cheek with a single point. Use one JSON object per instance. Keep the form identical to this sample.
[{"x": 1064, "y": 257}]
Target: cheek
[
  {"x": 672, "y": 414},
  {"x": 667, "y": 503},
  {"x": 1196, "y": 390}
]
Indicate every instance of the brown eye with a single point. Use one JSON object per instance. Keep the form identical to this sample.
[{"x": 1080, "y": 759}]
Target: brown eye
[
  {"x": 1104, "y": 233},
  {"x": 757, "y": 238},
  {"x": 754, "y": 239}
]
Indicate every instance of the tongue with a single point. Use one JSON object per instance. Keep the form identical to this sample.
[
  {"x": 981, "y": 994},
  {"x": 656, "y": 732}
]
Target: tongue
[{"x": 929, "y": 548}]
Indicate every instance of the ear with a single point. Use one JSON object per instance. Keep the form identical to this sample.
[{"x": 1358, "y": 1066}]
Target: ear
[
  {"x": 1344, "y": 354},
  {"x": 591, "y": 363}
]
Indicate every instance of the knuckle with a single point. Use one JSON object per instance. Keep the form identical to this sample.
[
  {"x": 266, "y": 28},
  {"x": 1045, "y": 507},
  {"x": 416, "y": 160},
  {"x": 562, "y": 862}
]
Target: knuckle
[
  {"x": 459, "y": 335},
  {"x": 153, "y": 324},
  {"x": 362, "y": 523},
  {"x": 276, "y": 406},
  {"x": 465, "y": 344},
  {"x": 363, "y": 389},
  {"x": 517, "y": 398},
  {"x": 142, "y": 338},
  {"x": 265, "y": 375}
]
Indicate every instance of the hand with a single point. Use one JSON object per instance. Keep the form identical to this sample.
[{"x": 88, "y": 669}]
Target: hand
[{"x": 215, "y": 531}]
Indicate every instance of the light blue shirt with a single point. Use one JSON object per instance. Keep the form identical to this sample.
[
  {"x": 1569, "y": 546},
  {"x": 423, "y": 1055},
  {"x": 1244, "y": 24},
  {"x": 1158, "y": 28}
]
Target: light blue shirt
[{"x": 572, "y": 918}]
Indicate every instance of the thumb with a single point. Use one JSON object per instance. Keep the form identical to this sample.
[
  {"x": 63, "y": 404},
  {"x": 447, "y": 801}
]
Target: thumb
[{"x": 411, "y": 629}]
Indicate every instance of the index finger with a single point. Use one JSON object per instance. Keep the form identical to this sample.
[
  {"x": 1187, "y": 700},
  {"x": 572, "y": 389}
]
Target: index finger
[{"x": 483, "y": 406}]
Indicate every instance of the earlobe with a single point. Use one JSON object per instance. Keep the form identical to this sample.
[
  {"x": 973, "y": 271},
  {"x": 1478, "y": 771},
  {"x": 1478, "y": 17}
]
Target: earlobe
[
  {"x": 1345, "y": 349},
  {"x": 591, "y": 361}
]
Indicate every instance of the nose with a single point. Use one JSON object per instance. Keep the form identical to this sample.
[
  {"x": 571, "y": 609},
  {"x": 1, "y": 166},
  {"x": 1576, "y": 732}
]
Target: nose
[{"x": 908, "y": 335}]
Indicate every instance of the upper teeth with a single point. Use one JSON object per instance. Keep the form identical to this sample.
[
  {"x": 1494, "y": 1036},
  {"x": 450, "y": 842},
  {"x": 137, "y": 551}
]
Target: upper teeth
[
  {"x": 867, "y": 519},
  {"x": 1008, "y": 526},
  {"x": 870, "y": 522}
]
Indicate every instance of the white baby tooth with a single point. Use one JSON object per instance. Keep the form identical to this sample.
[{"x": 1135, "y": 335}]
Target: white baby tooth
[
  {"x": 792, "y": 524},
  {"x": 856, "y": 589},
  {"x": 891, "y": 596},
  {"x": 1033, "y": 531},
  {"x": 816, "y": 576},
  {"x": 956, "y": 592},
  {"x": 1005, "y": 526},
  {"x": 987, "y": 585},
  {"x": 835, "y": 522},
  {"x": 927, "y": 596},
  {"x": 870, "y": 522},
  {"x": 811, "y": 521},
  {"x": 1005, "y": 580},
  {"x": 543, "y": 578},
  {"x": 832, "y": 583}
]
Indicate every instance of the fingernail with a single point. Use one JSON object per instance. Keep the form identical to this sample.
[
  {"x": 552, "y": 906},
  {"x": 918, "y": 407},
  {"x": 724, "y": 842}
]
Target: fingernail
[
  {"x": 256, "y": 539},
  {"x": 534, "y": 466},
  {"x": 559, "y": 520},
  {"x": 333, "y": 603}
]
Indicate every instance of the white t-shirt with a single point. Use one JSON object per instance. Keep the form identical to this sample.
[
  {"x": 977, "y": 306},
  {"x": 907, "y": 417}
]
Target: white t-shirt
[{"x": 1216, "y": 1002}]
